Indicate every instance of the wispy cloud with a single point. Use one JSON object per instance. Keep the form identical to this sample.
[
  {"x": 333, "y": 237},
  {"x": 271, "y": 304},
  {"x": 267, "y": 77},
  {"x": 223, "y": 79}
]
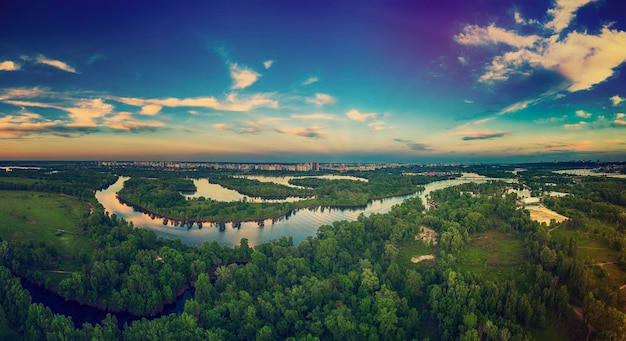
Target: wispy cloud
[
  {"x": 619, "y": 120},
  {"x": 575, "y": 125},
  {"x": 41, "y": 59},
  {"x": 516, "y": 107},
  {"x": 583, "y": 114},
  {"x": 14, "y": 126},
  {"x": 232, "y": 102},
  {"x": 483, "y": 136},
  {"x": 242, "y": 77},
  {"x": 8, "y": 65},
  {"x": 125, "y": 121},
  {"x": 355, "y": 115},
  {"x": 377, "y": 126},
  {"x": 566, "y": 146},
  {"x": 310, "y": 80},
  {"x": 417, "y": 146},
  {"x": 314, "y": 132},
  {"x": 616, "y": 100},
  {"x": 223, "y": 126},
  {"x": 563, "y": 13},
  {"x": 268, "y": 64},
  {"x": 321, "y": 99},
  {"x": 476, "y": 35},
  {"x": 550, "y": 120},
  {"x": 314, "y": 117},
  {"x": 15, "y": 93}
]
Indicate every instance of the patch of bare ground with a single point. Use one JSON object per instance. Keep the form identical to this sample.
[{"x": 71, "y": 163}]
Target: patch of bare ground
[
  {"x": 421, "y": 258},
  {"x": 427, "y": 235},
  {"x": 543, "y": 214}
]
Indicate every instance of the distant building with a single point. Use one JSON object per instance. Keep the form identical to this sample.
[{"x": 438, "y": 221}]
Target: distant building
[
  {"x": 530, "y": 201},
  {"x": 558, "y": 194}
]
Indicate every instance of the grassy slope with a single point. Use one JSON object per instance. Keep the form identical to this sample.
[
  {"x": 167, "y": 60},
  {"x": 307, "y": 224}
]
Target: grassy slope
[{"x": 45, "y": 217}]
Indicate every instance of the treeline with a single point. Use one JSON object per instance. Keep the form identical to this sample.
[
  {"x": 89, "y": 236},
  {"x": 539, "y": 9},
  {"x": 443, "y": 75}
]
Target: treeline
[
  {"x": 259, "y": 189},
  {"x": 80, "y": 183}
]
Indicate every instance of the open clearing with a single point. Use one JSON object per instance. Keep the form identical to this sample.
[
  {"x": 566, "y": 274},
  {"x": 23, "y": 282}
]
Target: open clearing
[
  {"x": 53, "y": 219},
  {"x": 427, "y": 236},
  {"x": 494, "y": 254},
  {"x": 421, "y": 258},
  {"x": 543, "y": 214}
]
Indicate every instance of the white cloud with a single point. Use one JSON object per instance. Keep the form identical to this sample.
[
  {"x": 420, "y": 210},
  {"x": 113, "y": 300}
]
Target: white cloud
[
  {"x": 86, "y": 111},
  {"x": 468, "y": 101},
  {"x": 8, "y": 65},
  {"x": 621, "y": 123},
  {"x": 321, "y": 99},
  {"x": 576, "y": 125},
  {"x": 563, "y": 13},
  {"x": 516, "y": 107},
  {"x": 355, "y": 115},
  {"x": 268, "y": 64},
  {"x": 476, "y": 35},
  {"x": 310, "y": 80},
  {"x": 584, "y": 59},
  {"x": 620, "y": 115},
  {"x": 616, "y": 100},
  {"x": 150, "y": 109},
  {"x": 41, "y": 59},
  {"x": 462, "y": 60},
  {"x": 583, "y": 114},
  {"x": 232, "y": 102},
  {"x": 242, "y": 77},
  {"x": 124, "y": 121},
  {"x": 314, "y": 117}
]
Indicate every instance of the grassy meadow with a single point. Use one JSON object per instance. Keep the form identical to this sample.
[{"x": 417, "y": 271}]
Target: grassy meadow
[{"x": 53, "y": 219}]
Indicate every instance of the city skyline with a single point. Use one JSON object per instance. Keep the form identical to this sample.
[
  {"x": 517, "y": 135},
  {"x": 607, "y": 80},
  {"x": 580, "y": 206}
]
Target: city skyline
[{"x": 377, "y": 81}]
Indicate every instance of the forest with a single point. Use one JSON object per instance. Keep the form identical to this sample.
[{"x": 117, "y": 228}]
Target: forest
[{"x": 492, "y": 272}]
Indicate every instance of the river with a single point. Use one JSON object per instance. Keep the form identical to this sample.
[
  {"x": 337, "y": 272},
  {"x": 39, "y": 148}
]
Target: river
[{"x": 299, "y": 225}]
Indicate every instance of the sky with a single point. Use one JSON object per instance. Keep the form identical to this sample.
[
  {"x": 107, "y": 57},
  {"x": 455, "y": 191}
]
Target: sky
[{"x": 327, "y": 81}]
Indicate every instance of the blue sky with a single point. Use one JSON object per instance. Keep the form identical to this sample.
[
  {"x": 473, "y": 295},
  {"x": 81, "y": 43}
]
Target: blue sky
[{"x": 291, "y": 81}]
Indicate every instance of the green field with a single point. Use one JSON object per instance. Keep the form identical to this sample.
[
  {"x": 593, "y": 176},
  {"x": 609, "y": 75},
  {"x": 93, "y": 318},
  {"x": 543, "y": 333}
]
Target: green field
[
  {"x": 53, "y": 219},
  {"x": 493, "y": 254},
  {"x": 413, "y": 248}
]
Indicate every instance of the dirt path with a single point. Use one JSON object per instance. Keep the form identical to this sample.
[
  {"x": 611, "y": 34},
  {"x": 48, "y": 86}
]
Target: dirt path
[
  {"x": 60, "y": 271},
  {"x": 61, "y": 230},
  {"x": 91, "y": 208},
  {"x": 579, "y": 313}
]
